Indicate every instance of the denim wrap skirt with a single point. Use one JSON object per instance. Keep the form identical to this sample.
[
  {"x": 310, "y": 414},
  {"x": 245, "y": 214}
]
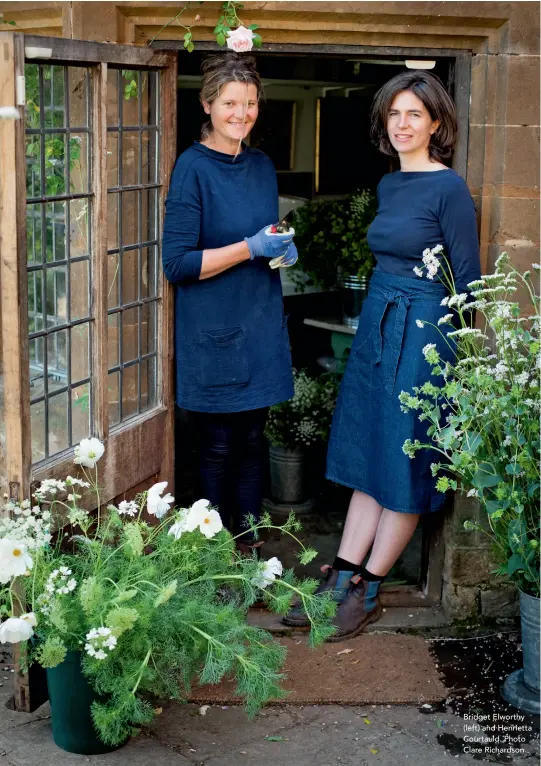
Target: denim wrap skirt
[{"x": 369, "y": 428}]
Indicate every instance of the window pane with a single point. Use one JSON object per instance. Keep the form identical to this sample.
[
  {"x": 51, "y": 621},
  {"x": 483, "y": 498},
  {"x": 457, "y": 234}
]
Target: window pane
[
  {"x": 149, "y": 213},
  {"x": 80, "y": 352},
  {"x": 148, "y": 384},
  {"x": 37, "y": 426},
  {"x": 130, "y": 334},
  {"x": 56, "y": 296},
  {"x": 112, "y": 159},
  {"x": 54, "y": 96},
  {"x": 34, "y": 234},
  {"x": 33, "y": 166},
  {"x": 131, "y": 84},
  {"x": 35, "y": 301},
  {"x": 130, "y": 394},
  {"x": 79, "y": 227},
  {"x": 148, "y": 271},
  {"x": 149, "y": 98},
  {"x": 130, "y": 157},
  {"x": 149, "y": 156},
  {"x": 80, "y": 290},
  {"x": 80, "y": 413},
  {"x": 32, "y": 111},
  {"x": 113, "y": 340},
  {"x": 113, "y": 398},
  {"x": 58, "y": 423},
  {"x": 112, "y": 221},
  {"x": 55, "y": 225},
  {"x": 113, "y": 281},
  {"x": 148, "y": 328},
  {"x": 55, "y": 164},
  {"x": 130, "y": 217},
  {"x": 57, "y": 360},
  {"x": 79, "y": 164},
  {"x": 78, "y": 89},
  {"x": 36, "y": 365},
  {"x": 130, "y": 276}
]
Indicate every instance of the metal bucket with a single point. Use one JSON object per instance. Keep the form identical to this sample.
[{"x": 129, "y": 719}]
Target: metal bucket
[
  {"x": 521, "y": 688},
  {"x": 287, "y": 475},
  {"x": 353, "y": 291}
]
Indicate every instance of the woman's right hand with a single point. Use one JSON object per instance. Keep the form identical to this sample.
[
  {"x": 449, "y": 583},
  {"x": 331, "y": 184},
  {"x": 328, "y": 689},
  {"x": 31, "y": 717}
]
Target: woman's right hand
[{"x": 268, "y": 245}]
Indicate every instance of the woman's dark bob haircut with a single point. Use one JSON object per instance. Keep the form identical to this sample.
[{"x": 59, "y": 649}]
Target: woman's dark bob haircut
[{"x": 437, "y": 101}]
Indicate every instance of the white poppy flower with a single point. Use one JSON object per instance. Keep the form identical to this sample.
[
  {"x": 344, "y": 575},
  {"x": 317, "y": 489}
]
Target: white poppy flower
[
  {"x": 240, "y": 39},
  {"x": 156, "y": 504},
  {"x": 14, "y": 559},
  {"x": 202, "y": 516},
  {"x": 88, "y": 452},
  {"x": 17, "y": 629},
  {"x": 270, "y": 570}
]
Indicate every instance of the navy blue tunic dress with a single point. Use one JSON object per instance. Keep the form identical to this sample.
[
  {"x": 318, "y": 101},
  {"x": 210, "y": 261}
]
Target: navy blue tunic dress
[
  {"x": 231, "y": 340},
  {"x": 416, "y": 210}
]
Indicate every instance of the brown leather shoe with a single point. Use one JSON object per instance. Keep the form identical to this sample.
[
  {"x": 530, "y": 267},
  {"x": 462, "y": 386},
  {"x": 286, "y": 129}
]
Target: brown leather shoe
[
  {"x": 353, "y": 616},
  {"x": 338, "y": 582}
]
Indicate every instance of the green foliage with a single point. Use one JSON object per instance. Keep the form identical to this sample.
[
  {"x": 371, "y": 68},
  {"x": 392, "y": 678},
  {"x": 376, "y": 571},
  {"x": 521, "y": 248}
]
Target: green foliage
[
  {"x": 152, "y": 610},
  {"x": 305, "y": 419},
  {"x": 331, "y": 235},
  {"x": 483, "y": 415}
]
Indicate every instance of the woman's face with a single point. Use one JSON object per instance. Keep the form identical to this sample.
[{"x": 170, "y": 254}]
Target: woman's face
[
  {"x": 234, "y": 112},
  {"x": 409, "y": 124}
]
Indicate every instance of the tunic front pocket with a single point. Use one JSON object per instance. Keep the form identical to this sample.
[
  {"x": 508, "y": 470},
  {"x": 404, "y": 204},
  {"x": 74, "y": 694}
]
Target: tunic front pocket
[{"x": 223, "y": 357}]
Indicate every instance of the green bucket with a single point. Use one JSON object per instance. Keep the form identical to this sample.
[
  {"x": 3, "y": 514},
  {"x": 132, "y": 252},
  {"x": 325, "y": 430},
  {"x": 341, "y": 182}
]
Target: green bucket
[{"x": 70, "y": 697}]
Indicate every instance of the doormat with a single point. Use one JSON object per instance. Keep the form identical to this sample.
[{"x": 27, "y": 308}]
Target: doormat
[{"x": 370, "y": 669}]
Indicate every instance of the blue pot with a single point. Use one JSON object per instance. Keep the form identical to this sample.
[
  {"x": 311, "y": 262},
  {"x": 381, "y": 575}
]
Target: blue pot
[{"x": 522, "y": 688}]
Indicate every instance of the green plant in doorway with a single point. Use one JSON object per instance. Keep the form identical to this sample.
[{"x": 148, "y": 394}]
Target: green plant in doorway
[{"x": 331, "y": 236}]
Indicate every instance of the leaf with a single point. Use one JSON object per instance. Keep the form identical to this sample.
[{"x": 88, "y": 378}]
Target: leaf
[
  {"x": 472, "y": 441},
  {"x": 345, "y": 651},
  {"x": 367, "y": 721},
  {"x": 220, "y": 38},
  {"x": 276, "y": 739},
  {"x": 253, "y": 27},
  {"x": 485, "y": 477},
  {"x": 217, "y": 29},
  {"x": 374, "y": 750},
  {"x": 190, "y": 47},
  {"x": 515, "y": 563},
  {"x": 257, "y": 41}
]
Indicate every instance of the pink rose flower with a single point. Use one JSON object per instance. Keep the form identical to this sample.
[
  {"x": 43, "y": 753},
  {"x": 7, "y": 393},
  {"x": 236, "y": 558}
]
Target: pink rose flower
[{"x": 240, "y": 40}]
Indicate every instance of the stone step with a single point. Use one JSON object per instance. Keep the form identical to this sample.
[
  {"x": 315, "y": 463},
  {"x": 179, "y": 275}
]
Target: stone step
[{"x": 393, "y": 619}]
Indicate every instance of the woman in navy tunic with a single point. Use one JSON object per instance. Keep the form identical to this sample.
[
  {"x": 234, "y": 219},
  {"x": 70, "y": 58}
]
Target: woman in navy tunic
[
  {"x": 422, "y": 205},
  {"x": 231, "y": 341}
]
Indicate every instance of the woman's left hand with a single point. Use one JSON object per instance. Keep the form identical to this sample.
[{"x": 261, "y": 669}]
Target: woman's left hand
[{"x": 289, "y": 259}]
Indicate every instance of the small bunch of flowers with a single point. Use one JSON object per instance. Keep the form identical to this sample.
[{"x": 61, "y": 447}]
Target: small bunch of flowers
[
  {"x": 28, "y": 524},
  {"x": 305, "y": 419},
  {"x": 98, "y": 640},
  {"x": 482, "y": 412},
  {"x": 431, "y": 262}
]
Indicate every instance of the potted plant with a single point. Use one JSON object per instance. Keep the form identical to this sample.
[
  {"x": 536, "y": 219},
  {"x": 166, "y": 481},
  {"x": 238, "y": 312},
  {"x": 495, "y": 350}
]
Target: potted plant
[
  {"x": 137, "y": 601},
  {"x": 293, "y": 429},
  {"x": 331, "y": 240},
  {"x": 484, "y": 422}
]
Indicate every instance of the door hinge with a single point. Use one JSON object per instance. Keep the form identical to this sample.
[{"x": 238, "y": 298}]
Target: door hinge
[{"x": 14, "y": 491}]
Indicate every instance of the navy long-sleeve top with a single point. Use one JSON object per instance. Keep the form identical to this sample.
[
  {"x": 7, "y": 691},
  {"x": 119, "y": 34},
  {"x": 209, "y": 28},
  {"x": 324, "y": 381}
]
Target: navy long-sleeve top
[
  {"x": 231, "y": 342},
  {"x": 420, "y": 209}
]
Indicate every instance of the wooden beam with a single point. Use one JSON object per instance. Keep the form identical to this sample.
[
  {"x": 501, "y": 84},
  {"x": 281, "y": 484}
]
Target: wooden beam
[
  {"x": 87, "y": 52},
  {"x": 99, "y": 324},
  {"x": 166, "y": 392},
  {"x": 13, "y": 277}
]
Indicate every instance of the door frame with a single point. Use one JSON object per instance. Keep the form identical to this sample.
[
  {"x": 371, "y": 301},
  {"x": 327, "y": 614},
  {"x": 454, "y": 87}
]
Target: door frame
[{"x": 433, "y": 545}]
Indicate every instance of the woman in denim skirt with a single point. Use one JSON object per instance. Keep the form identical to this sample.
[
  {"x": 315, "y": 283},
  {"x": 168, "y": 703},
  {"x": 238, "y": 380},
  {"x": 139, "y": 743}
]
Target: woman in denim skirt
[{"x": 422, "y": 205}]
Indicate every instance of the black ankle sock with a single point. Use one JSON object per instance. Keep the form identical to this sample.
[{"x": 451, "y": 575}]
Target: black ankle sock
[
  {"x": 368, "y": 576},
  {"x": 342, "y": 565}
]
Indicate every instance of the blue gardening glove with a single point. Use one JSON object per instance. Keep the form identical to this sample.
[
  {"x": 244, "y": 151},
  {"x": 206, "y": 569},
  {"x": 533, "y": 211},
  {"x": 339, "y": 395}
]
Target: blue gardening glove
[
  {"x": 268, "y": 246},
  {"x": 290, "y": 258}
]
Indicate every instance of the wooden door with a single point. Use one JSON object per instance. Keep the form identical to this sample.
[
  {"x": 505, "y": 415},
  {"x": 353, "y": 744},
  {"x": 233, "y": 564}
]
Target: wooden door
[{"x": 86, "y": 326}]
